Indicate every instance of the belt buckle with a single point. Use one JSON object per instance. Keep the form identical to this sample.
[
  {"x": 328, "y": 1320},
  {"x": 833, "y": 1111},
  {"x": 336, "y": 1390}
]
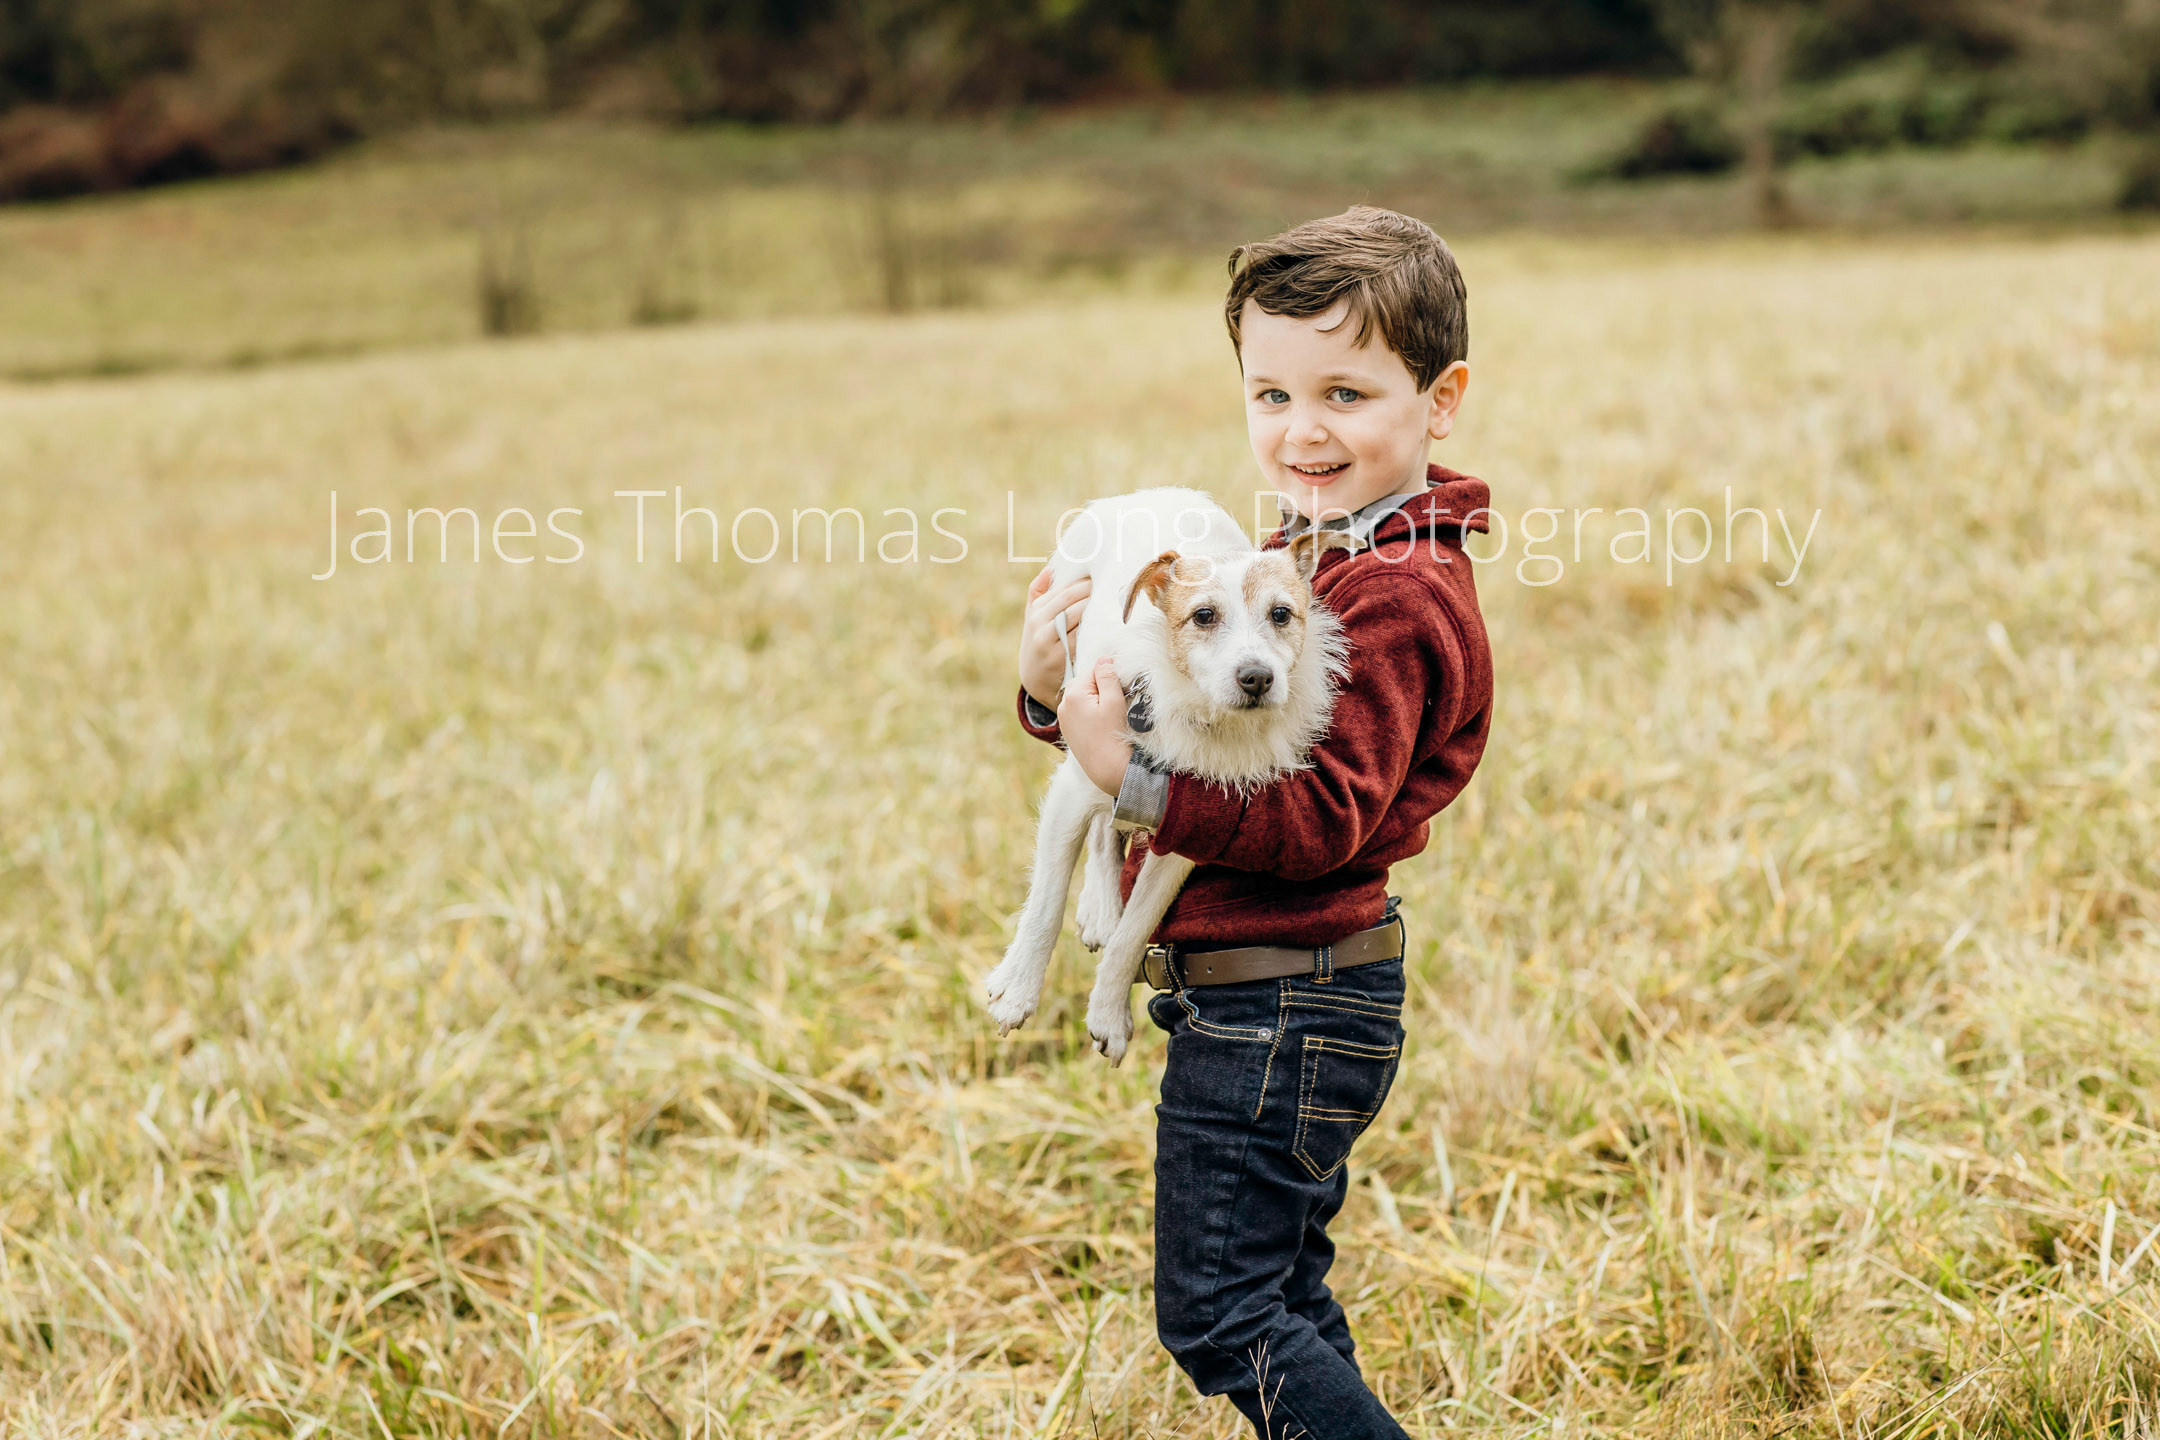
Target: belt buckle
[{"x": 1155, "y": 961}]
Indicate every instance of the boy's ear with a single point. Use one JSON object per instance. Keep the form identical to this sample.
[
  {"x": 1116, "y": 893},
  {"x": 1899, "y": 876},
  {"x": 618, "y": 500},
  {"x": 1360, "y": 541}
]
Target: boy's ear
[
  {"x": 1150, "y": 581},
  {"x": 1309, "y": 545},
  {"x": 1447, "y": 397}
]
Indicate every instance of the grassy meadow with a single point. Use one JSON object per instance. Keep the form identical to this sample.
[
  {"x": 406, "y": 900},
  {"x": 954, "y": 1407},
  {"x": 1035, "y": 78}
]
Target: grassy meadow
[
  {"x": 591, "y": 225},
  {"x": 542, "y": 1000}
]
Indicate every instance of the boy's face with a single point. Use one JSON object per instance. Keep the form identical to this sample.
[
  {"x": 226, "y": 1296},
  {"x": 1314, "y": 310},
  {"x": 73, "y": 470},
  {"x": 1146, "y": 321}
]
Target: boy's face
[{"x": 1334, "y": 424}]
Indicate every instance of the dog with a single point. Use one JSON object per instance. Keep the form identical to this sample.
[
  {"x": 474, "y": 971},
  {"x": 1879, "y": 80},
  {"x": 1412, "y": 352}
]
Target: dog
[{"x": 1231, "y": 667}]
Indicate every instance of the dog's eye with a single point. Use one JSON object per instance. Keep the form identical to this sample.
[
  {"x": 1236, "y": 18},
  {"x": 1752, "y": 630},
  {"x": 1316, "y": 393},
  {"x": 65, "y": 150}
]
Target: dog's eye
[
  {"x": 1203, "y": 617},
  {"x": 1280, "y": 614}
]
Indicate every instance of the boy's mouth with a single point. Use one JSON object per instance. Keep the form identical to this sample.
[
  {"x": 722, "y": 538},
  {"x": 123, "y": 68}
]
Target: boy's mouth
[{"x": 1321, "y": 474}]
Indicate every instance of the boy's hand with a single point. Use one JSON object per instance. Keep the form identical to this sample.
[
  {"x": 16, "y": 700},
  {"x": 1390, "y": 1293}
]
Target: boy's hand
[
  {"x": 1042, "y": 654},
  {"x": 1091, "y": 718}
]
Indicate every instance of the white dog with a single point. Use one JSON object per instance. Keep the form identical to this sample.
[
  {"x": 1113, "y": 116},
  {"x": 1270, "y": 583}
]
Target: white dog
[{"x": 1238, "y": 666}]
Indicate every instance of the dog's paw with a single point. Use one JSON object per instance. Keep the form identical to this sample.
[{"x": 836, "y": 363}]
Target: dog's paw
[
  {"x": 1011, "y": 1011},
  {"x": 1095, "y": 923},
  {"x": 1110, "y": 1027},
  {"x": 1012, "y": 1000}
]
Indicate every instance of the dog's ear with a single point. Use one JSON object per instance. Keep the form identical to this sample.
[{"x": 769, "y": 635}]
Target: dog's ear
[
  {"x": 1310, "y": 544},
  {"x": 1151, "y": 579}
]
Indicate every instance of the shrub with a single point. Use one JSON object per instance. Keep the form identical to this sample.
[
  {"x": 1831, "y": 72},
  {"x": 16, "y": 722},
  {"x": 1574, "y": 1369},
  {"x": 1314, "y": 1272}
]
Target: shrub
[
  {"x": 2141, "y": 182},
  {"x": 507, "y": 291},
  {"x": 1865, "y": 113},
  {"x": 1681, "y": 140},
  {"x": 156, "y": 133},
  {"x": 1947, "y": 113},
  {"x": 1838, "y": 126},
  {"x": 2037, "y": 117}
]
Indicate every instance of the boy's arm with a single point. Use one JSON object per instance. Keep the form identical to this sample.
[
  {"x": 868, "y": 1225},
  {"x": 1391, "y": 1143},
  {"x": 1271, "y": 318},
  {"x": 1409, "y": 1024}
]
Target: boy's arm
[{"x": 1408, "y": 654}]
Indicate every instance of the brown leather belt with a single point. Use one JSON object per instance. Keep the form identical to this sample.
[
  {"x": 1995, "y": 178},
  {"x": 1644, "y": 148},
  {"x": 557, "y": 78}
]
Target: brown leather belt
[{"x": 1269, "y": 962}]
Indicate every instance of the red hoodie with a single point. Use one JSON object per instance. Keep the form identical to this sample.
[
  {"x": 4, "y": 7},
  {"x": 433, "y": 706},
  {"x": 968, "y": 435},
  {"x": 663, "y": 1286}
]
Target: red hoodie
[{"x": 1304, "y": 861}]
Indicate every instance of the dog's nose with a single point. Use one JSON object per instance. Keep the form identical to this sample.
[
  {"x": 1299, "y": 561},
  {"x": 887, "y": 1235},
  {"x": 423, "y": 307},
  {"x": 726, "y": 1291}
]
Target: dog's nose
[{"x": 1255, "y": 680}]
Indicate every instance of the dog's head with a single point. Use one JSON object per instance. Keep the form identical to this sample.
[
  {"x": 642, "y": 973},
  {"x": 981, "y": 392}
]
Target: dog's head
[{"x": 1235, "y": 628}]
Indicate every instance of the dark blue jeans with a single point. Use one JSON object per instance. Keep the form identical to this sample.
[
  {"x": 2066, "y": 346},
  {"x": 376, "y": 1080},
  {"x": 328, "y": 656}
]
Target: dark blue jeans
[{"x": 1268, "y": 1085}]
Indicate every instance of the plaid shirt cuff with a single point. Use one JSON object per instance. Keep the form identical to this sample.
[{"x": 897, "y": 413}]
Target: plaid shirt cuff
[{"x": 1143, "y": 795}]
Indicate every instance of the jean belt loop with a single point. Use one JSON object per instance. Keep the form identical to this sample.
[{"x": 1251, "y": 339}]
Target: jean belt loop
[
  {"x": 1171, "y": 968},
  {"x": 1323, "y": 969}
]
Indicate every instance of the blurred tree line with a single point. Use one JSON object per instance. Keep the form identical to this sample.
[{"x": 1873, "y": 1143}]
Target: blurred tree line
[
  {"x": 2019, "y": 70},
  {"x": 98, "y": 94},
  {"x": 102, "y": 93}
]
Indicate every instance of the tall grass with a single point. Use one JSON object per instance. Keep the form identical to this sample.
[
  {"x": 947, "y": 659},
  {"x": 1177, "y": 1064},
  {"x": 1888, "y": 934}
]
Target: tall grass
[{"x": 454, "y": 1000}]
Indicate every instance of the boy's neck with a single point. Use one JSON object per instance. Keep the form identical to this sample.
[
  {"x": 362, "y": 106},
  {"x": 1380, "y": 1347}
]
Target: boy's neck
[{"x": 1415, "y": 487}]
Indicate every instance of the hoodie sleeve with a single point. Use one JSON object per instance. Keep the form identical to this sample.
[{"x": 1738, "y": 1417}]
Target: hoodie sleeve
[{"x": 1406, "y": 656}]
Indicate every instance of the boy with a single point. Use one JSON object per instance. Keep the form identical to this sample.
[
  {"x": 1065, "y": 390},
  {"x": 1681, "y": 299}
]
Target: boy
[{"x": 1283, "y": 954}]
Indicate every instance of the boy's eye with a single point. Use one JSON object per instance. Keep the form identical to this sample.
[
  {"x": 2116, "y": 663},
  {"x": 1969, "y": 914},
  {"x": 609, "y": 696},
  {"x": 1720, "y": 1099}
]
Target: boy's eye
[
  {"x": 1203, "y": 617},
  {"x": 1280, "y": 614},
  {"x": 1275, "y": 397},
  {"x": 1344, "y": 395}
]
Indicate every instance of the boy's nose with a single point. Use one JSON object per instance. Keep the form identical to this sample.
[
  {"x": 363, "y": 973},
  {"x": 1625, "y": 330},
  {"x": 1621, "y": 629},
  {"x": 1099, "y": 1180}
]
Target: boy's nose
[{"x": 1255, "y": 680}]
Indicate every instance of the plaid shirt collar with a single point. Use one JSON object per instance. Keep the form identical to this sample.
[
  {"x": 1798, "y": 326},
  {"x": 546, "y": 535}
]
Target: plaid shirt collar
[{"x": 1359, "y": 524}]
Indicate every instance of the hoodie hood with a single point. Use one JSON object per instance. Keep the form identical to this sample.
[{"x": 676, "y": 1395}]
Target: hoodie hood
[{"x": 1451, "y": 502}]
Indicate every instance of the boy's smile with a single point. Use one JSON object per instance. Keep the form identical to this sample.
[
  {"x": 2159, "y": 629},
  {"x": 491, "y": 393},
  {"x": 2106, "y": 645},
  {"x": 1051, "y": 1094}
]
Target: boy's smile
[{"x": 1336, "y": 425}]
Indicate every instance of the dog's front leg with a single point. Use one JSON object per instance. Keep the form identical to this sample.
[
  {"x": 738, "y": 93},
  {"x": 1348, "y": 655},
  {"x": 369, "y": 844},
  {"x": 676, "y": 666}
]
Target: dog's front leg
[
  {"x": 1096, "y": 916},
  {"x": 1015, "y": 986},
  {"x": 1110, "y": 1006}
]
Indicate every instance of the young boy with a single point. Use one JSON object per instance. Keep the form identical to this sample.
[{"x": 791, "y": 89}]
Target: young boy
[{"x": 1283, "y": 954}]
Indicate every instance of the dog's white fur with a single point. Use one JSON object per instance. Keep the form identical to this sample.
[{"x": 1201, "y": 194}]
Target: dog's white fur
[{"x": 1205, "y": 721}]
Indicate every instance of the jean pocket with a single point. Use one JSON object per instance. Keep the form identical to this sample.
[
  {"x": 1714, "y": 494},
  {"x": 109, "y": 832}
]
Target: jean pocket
[
  {"x": 1234, "y": 1012},
  {"x": 1340, "y": 1088}
]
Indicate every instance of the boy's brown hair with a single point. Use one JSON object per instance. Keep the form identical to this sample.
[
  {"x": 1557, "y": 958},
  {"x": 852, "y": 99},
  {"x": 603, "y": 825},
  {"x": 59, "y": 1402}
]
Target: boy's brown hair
[{"x": 1399, "y": 277}]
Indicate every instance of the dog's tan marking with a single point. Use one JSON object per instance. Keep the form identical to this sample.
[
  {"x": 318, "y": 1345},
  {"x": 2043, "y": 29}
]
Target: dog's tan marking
[
  {"x": 1152, "y": 578},
  {"x": 1178, "y": 599},
  {"x": 1278, "y": 568},
  {"x": 1309, "y": 545},
  {"x": 1272, "y": 578}
]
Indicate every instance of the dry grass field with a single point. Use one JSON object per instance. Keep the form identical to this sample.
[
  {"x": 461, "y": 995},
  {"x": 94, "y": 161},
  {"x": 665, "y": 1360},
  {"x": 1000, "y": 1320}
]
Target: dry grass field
[{"x": 481, "y": 999}]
